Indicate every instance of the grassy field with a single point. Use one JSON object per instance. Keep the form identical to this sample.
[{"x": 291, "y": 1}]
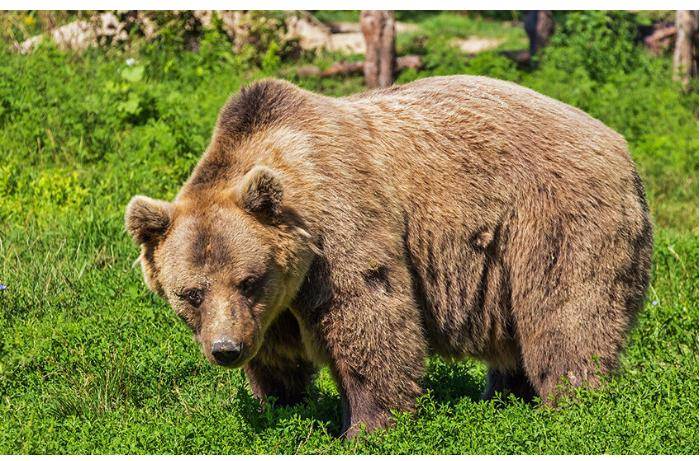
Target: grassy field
[{"x": 90, "y": 362}]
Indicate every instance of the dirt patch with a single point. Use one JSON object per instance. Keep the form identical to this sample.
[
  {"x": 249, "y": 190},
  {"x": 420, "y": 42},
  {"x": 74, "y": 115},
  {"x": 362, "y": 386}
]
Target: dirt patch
[{"x": 474, "y": 44}]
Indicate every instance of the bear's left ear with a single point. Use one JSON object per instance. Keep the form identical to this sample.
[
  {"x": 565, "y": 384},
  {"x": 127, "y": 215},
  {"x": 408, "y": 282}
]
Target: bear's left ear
[
  {"x": 147, "y": 219},
  {"x": 261, "y": 192}
]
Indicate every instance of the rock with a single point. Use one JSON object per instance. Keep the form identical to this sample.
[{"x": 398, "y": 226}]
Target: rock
[
  {"x": 311, "y": 33},
  {"x": 205, "y": 17},
  {"x": 346, "y": 27},
  {"x": 350, "y": 42},
  {"x": 78, "y": 36},
  {"x": 28, "y": 45}
]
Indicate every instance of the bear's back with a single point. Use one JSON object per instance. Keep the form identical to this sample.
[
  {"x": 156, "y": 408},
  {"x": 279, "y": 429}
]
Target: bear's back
[
  {"x": 517, "y": 112},
  {"x": 494, "y": 137}
]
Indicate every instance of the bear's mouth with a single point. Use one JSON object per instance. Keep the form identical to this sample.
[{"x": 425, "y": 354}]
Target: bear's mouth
[
  {"x": 233, "y": 365},
  {"x": 237, "y": 363}
]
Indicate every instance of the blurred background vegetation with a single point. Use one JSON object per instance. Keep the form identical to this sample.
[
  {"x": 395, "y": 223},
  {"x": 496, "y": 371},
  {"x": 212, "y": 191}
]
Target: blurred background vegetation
[{"x": 597, "y": 61}]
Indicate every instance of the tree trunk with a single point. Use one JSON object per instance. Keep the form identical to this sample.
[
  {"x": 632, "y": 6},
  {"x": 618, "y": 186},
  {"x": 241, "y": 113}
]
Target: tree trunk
[
  {"x": 378, "y": 28},
  {"x": 539, "y": 26},
  {"x": 685, "y": 56}
]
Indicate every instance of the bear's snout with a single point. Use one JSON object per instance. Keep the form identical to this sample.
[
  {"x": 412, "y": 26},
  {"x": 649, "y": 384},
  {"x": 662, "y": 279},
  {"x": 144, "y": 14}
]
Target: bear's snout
[{"x": 226, "y": 352}]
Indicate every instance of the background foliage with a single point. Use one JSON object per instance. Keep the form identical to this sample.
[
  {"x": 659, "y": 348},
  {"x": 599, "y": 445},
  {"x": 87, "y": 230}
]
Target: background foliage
[{"x": 90, "y": 362}]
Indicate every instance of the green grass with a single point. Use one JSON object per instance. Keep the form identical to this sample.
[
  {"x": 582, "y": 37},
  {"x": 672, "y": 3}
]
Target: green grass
[
  {"x": 463, "y": 25},
  {"x": 337, "y": 15},
  {"x": 90, "y": 362}
]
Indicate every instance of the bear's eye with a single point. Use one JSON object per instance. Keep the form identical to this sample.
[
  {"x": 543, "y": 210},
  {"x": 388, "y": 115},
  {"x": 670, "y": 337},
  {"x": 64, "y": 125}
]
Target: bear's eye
[
  {"x": 194, "y": 296},
  {"x": 249, "y": 285}
]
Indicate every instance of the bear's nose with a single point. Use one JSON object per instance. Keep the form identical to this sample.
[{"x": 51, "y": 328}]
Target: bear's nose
[{"x": 226, "y": 352}]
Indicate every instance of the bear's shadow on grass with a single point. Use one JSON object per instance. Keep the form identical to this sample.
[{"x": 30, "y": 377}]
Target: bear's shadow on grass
[
  {"x": 451, "y": 382},
  {"x": 447, "y": 383}
]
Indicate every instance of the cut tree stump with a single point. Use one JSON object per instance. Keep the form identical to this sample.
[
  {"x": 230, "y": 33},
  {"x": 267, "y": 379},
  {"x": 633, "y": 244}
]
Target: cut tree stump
[
  {"x": 379, "y": 30},
  {"x": 539, "y": 26},
  {"x": 685, "y": 55}
]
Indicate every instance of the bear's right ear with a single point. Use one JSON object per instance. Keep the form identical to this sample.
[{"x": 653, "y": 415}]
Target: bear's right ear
[
  {"x": 147, "y": 219},
  {"x": 261, "y": 192}
]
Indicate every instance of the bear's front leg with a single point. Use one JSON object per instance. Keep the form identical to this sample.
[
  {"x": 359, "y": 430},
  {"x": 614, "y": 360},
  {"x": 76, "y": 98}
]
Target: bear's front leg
[
  {"x": 377, "y": 350},
  {"x": 287, "y": 383},
  {"x": 280, "y": 369}
]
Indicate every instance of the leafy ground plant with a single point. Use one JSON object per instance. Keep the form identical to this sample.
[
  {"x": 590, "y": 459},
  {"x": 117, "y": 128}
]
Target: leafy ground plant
[{"x": 90, "y": 362}]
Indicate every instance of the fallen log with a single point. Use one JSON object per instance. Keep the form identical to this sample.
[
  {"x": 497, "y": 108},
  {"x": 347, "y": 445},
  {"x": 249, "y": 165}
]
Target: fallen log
[
  {"x": 345, "y": 68},
  {"x": 661, "y": 39}
]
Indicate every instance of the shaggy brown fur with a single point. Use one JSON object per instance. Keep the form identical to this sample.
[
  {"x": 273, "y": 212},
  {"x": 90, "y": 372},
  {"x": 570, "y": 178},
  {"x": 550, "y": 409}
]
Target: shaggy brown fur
[{"x": 464, "y": 216}]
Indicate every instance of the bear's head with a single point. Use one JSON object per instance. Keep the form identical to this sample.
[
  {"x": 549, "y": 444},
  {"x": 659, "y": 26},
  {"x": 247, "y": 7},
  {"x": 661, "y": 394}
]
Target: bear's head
[{"x": 228, "y": 260}]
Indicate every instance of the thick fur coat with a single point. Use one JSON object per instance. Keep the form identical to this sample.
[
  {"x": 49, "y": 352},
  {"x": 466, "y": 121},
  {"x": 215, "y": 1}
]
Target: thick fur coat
[{"x": 463, "y": 216}]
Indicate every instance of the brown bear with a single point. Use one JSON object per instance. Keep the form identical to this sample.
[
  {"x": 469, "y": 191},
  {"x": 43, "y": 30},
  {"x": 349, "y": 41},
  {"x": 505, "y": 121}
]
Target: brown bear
[{"x": 462, "y": 216}]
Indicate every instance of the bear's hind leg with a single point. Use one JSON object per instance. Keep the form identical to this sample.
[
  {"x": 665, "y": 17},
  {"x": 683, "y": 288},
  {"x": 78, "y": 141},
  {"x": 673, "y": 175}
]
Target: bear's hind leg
[
  {"x": 577, "y": 344},
  {"x": 577, "y": 282},
  {"x": 553, "y": 362},
  {"x": 506, "y": 383},
  {"x": 572, "y": 333}
]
